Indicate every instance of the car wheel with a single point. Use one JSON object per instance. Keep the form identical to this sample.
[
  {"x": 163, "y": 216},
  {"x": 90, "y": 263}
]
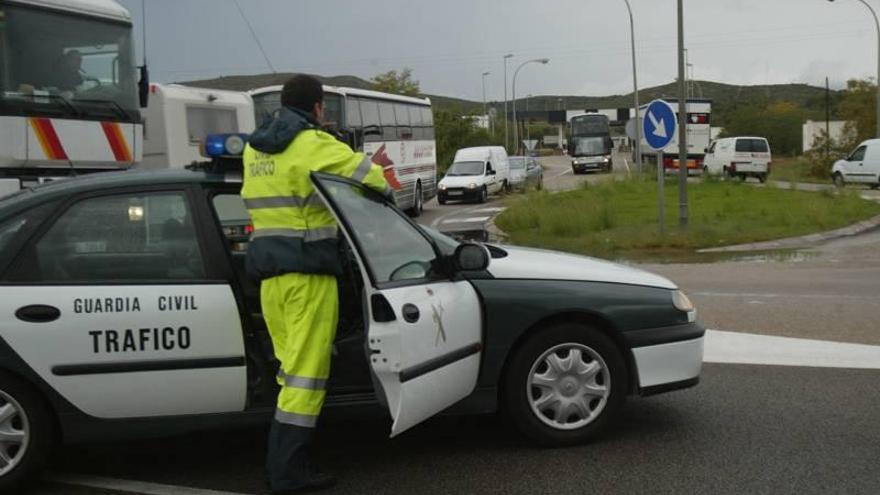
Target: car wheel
[
  {"x": 484, "y": 194},
  {"x": 540, "y": 185},
  {"x": 762, "y": 178},
  {"x": 506, "y": 188},
  {"x": 26, "y": 432},
  {"x": 418, "y": 202},
  {"x": 565, "y": 384},
  {"x": 838, "y": 180},
  {"x": 875, "y": 186},
  {"x": 440, "y": 200}
]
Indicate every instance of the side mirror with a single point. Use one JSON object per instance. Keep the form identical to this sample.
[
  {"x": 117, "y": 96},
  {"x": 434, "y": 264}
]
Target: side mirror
[
  {"x": 144, "y": 86},
  {"x": 471, "y": 257},
  {"x": 490, "y": 172}
]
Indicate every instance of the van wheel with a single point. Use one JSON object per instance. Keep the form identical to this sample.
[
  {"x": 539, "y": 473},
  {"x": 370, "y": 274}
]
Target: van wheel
[
  {"x": 564, "y": 385},
  {"x": 26, "y": 432},
  {"x": 838, "y": 180},
  {"x": 762, "y": 178},
  {"x": 418, "y": 202},
  {"x": 484, "y": 194},
  {"x": 730, "y": 175}
]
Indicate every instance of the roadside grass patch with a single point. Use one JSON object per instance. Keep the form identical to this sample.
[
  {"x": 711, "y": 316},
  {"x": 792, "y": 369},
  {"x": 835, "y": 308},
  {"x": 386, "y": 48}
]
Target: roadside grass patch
[{"x": 619, "y": 218}]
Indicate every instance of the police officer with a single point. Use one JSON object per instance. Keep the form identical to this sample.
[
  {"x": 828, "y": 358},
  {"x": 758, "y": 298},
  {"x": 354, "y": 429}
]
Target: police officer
[{"x": 294, "y": 252}]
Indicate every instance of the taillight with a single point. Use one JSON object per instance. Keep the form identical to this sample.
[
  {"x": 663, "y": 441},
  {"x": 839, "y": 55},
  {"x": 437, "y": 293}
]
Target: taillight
[
  {"x": 249, "y": 229},
  {"x": 668, "y": 163}
]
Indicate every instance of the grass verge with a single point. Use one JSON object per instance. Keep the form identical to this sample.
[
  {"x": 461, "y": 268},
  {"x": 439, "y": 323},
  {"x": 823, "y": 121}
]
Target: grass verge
[
  {"x": 619, "y": 218},
  {"x": 795, "y": 169}
]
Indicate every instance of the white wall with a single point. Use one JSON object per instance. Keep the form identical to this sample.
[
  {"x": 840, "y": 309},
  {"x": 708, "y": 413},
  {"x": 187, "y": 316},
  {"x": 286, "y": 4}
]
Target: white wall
[{"x": 813, "y": 129}]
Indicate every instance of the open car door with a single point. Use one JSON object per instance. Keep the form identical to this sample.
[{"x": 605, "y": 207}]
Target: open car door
[{"x": 424, "y": 335}]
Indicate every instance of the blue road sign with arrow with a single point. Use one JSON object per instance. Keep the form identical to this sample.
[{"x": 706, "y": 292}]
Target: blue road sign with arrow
[{"x": 659, "y": 124}]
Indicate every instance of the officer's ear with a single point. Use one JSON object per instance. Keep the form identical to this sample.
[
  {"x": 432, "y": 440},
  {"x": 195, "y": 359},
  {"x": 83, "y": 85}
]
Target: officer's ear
[{"x": 318, "y": 112}]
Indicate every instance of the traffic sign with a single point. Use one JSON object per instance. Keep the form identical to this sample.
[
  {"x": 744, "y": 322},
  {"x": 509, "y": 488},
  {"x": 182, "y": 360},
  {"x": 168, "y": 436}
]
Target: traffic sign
[{"x": 659, "y": 124}]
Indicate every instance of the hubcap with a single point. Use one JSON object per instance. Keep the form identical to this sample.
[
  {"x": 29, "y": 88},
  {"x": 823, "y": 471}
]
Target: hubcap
[
  {"x": 568, "y": 386},
  {"x": 14, "y": 433}
]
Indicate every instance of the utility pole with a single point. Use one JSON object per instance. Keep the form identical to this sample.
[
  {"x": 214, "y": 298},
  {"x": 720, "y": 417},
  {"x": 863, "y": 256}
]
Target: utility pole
[
  {"x": 632, "y": 38},
  {"x": 682, "y": 124},
  {"x": 485, "y": 111},
  {"x": 506, "y": 132},
  {"x": 827, "y": 119}
]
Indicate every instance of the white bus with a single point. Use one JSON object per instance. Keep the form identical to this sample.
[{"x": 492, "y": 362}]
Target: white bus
[{"x": 397, "y": 131}]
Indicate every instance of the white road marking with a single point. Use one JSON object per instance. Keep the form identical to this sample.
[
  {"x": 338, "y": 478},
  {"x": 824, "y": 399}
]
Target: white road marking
[
  {"x": 493, "y": 209},
  {"x": 771, "y": 295},
  {"x": 567, "y": 171},
  {"x": 626, "y": 164},
  {"x": 467, "y": 220},
  {"x": 748, "y": 348},
  {"x": 137, "y": 487}
]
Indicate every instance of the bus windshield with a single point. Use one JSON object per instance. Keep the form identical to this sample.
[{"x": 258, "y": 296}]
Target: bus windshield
[
  {"x": 266, "y": 105},
  {"x": 585, "y": 146},
  {"x": 66, "y": 65}
]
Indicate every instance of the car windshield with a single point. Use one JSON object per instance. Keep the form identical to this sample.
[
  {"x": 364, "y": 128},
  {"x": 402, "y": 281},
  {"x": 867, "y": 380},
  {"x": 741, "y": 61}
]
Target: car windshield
[
  {"x": 517, "y": 163},
  {"x": 465, "y": 168},
  {"x": 65, "y": 65},
  {"x": 589, "y": 146}
]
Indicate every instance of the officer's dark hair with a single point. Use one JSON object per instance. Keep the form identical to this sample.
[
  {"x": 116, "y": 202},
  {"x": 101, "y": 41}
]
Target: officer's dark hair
[{"x": 302, "y": 92}]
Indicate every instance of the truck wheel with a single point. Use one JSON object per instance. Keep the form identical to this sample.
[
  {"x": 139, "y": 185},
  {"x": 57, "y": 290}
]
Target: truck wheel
[
  {"x": 26, "y": 433},
  {"x": 838, "y": 180},
  {"x": 564, "y": 385}
]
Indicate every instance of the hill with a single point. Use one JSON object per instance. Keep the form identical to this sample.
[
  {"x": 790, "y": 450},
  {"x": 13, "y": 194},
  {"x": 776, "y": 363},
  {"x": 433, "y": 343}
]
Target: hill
[{"x": 725, "y": 97}]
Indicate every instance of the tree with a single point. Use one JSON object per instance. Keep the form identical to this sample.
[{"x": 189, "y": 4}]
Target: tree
[
  {"x": 780, "y": 122},
  {"x": 454, "y": 130},
  {"x": 858, "y": 109},
  {"x": 400, "y": 83}
]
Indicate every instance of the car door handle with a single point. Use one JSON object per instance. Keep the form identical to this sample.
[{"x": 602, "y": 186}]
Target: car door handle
[
  {"x": 410, "y": 313},
  {"x": 38, "y": 313}
]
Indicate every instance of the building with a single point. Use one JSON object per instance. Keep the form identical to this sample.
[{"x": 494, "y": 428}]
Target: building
[{"x": 813, "y": 129}]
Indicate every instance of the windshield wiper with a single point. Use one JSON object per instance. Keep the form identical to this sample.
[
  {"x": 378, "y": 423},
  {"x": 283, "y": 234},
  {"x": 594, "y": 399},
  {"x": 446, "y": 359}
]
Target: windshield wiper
[{"x": 120, "y": 112}]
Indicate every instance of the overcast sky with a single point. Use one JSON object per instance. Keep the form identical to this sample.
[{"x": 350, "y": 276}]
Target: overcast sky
[{"x": 450, "y": 43}]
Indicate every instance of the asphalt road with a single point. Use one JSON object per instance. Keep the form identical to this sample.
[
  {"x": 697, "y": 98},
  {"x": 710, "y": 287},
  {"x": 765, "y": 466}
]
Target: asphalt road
[{"x": 744, "y": 429}]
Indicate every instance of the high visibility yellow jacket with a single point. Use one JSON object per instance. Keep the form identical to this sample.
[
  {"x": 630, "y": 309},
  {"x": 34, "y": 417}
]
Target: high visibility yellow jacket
[{"x": 294, "y": 232}]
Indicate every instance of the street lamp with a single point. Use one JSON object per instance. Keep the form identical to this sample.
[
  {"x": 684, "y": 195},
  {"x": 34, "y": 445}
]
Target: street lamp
[
  {"x": 528, "y": 127},
  {"x": 515, "y": 73},
  {"x": 485, "y": 113},
  {"x": 506, "y": 132},
  {"x": 877, "y": 25},
  {"x": 632, "y": 32}
]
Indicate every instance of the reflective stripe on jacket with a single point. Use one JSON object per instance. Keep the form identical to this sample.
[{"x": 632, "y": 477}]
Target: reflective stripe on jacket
[{"x": 294, "y": 232}]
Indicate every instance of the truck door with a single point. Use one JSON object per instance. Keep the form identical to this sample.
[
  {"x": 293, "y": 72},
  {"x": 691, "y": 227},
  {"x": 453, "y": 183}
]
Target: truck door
[
  {"x": 424, "y": 330},
  {"x": 112, "y": 305}
]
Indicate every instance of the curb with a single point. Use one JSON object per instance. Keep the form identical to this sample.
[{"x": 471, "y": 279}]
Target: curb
[
  {"x": 495, "y": 233},
  {"x": 803, "y": 241}
]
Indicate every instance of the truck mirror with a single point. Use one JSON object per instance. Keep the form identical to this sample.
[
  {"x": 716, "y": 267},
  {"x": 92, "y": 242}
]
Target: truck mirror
[{"x": 144, "y": 86}]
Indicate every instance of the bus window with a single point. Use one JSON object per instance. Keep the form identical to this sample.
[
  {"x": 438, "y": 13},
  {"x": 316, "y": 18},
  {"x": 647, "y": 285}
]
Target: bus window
[
  {"x": 333, "y": 111},
  {"x": 404, "y": 126},
  {"x": 427, "y": 116},
  {"x": 415, "y": 119},
  {"x": 372, "y": 125},
  {"x": 352, "y": 114},
  {"x": 389, "y": 123}
]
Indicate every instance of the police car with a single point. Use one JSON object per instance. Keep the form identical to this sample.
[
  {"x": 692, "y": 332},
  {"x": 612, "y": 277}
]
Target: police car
[{"x": 125, "y": 311}]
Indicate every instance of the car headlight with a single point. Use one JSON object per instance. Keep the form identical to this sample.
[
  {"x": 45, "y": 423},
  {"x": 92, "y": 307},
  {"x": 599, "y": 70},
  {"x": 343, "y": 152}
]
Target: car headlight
[
  {"x": 606, "y": 159},
  {"x": 472, "y": 186},
  {"x": 683, "y": 303},
  {"x": 442, "y": 187}
]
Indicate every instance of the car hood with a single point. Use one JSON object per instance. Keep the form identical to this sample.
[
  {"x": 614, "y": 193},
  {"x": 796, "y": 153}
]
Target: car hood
[
  {"x": 527, "y": 263},
  {"x": 517, "y": 174},
  {"x": 462, "y": 181}
]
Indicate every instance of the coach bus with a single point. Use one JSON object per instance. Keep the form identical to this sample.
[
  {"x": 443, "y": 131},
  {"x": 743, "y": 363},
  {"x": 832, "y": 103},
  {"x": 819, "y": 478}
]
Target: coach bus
[
  {"x": 396, "y": 131},
  {"x": 589, "y": 143}
]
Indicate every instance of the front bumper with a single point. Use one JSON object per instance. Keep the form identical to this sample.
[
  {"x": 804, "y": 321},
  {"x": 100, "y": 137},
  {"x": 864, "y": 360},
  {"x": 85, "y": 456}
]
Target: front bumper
[
  {"x": 667, "y": 358},
  {"x": 458, "y": 194},
  {"x": 584, "y": 167}
]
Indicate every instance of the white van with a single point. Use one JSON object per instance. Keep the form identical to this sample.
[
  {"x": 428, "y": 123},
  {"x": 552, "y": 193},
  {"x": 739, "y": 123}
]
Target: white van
[
  {"x": 475, "y": 173},
  {"x": 861, "y": 166},
  {"x": 738, "y": 157},
  {"x": 178, "y": 118}
]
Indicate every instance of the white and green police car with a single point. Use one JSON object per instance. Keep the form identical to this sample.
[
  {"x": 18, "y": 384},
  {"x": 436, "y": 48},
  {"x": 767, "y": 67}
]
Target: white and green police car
[{"x": 125, "y": 311}]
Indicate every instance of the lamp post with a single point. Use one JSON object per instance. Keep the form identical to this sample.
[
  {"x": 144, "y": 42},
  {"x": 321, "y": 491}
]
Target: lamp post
[
  {"x": 485, "y": 112},
  {"x": 877, "y": 25},
  {"x": 506, "y": 131},
  {"x": 528, "y": 129},
  {"x": 515, "y": 73},
  {"x": 632, "y": 37}
]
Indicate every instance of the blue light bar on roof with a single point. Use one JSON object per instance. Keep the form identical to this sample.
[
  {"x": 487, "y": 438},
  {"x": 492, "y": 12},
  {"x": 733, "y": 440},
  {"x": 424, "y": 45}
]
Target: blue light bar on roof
[{"x": 229, "y": 145}]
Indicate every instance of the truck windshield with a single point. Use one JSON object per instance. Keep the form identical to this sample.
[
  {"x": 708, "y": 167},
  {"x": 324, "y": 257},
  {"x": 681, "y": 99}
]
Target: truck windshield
[{"x": 65, "y": 65}]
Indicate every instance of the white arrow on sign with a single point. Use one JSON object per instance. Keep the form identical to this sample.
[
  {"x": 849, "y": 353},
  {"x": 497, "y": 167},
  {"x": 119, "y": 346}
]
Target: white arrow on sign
[{"x": 659, "y": 128}]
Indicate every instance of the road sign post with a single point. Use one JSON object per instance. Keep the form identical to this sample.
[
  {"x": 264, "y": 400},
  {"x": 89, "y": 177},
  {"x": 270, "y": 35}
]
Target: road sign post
[{"x": 659, "y": 126}]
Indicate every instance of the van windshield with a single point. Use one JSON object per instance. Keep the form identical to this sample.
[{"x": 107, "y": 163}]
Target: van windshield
[{"x": 465, "y": 168}]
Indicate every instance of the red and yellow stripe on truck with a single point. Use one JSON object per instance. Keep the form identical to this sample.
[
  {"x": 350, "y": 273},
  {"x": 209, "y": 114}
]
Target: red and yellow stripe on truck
[{"x": 86, "y": 143}]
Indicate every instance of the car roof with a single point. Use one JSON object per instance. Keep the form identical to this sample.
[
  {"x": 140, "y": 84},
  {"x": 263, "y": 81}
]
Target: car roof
[{"x": 98, "y": 181}]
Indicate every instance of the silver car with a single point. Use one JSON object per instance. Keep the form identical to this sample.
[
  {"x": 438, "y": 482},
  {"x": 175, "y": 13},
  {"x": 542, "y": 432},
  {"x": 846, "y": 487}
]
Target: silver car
[{"x": 525, "y": 173}]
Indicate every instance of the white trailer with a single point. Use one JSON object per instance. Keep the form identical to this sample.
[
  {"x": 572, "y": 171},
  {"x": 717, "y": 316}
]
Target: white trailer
[
  {"x": 69, "y": 92},
  {"x": 699, "y": 113},
  {"x": 178, "y": 118}
]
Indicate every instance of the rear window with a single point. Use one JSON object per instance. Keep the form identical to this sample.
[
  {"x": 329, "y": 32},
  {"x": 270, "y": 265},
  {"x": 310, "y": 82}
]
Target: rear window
[{"x": 752, "y": 146}]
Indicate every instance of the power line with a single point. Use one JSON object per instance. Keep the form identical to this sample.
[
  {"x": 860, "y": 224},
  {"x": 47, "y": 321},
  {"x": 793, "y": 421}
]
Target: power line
[{"x": 254, "y": 35}]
